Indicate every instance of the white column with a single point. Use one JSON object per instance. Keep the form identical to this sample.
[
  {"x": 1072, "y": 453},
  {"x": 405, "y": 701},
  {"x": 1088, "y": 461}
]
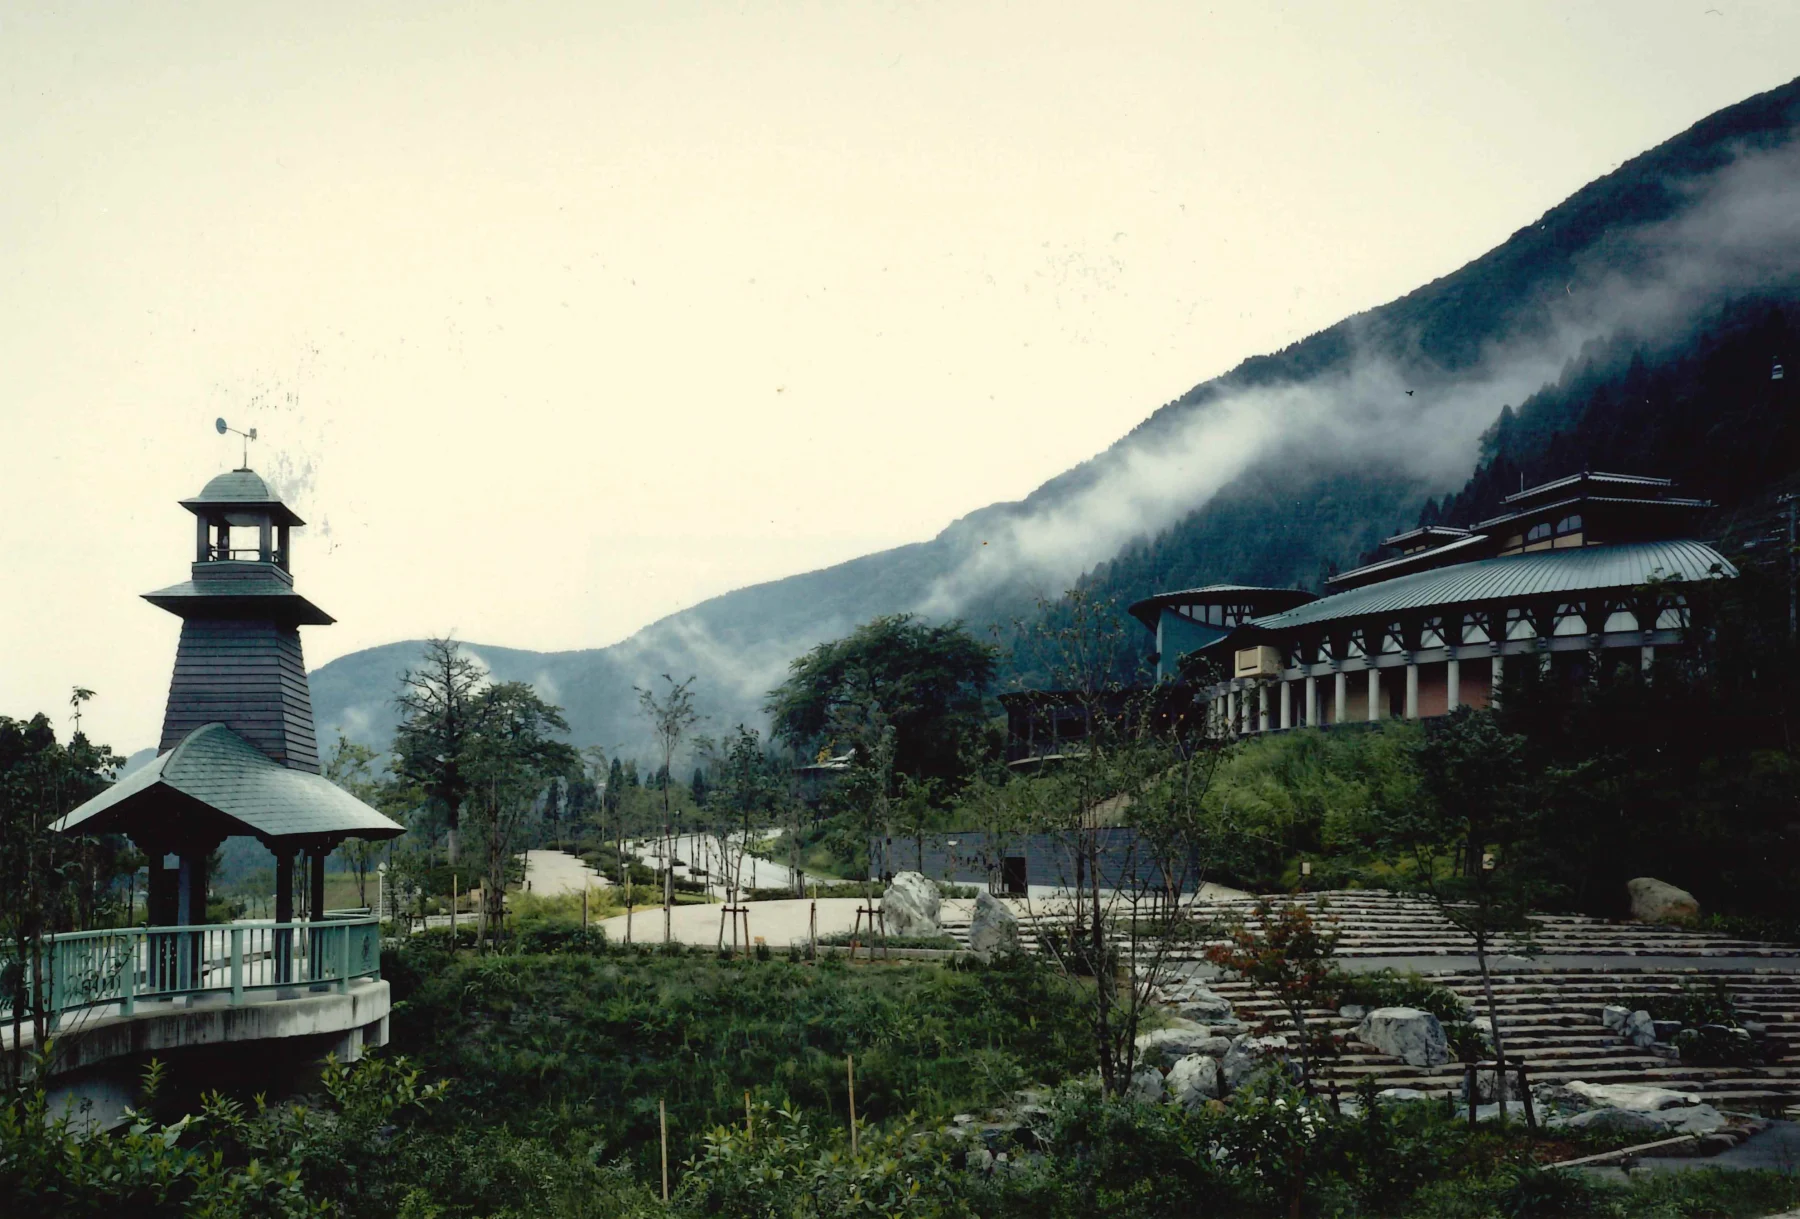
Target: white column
[
  {"x": 1646, "y": 658},
  {"x": 1412, "y": 689},
  {"x": 1231, "y": 712},
  {"x": 1374, "y": 694},
  {"x": 1340, "y": 707},
  {"x": 1287, "y": 704},
  {"x": 1262, "y": 706},
  {"x": 1499, "y": 673},
  {"x": 1452, "y": 684},
  {"x": 1312, "y": 701}
]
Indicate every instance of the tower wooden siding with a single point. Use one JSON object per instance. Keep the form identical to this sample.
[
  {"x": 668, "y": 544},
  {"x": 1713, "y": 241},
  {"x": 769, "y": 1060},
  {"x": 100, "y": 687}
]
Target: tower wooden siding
[{"x": 250, "y": 676}]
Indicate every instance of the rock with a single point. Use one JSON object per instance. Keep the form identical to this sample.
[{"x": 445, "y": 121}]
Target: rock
[
  {"x": 1666, "y": 1029},
  {"x": 1203, "y": 1004},
  {"x": 1695, "y": 1119},
  {"x": 1614, "y": 1017},
  {"x": 1639, "y": 1029},
  {"x": 1246, "y": 1057},
  {"x": 1402, "y": 1094},
  {"x": 910, "y": 905},
  {"x": 1193, "y": 1081},
  {"x": 1485, "y": 1091},
  {"x": 1640, "y": 1098},
  {"x": 1407, "y": 1033},
  {"x": 1617, "y": 1121},
  {"x": 992, "y": 928},
  {"x": 1146, "y": 1085},
  {"x": 1657, "y": 901},
  {"x": 1353, "y": 1011},
  {"x": 1163, "y": 1047}
]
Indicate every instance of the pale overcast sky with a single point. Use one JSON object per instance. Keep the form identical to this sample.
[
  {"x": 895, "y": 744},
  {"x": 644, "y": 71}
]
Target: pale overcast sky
[{"x": 556, "y": 318}]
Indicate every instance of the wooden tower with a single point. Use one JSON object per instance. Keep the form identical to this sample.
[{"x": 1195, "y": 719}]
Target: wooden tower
[{"x": 239, "y": 663}]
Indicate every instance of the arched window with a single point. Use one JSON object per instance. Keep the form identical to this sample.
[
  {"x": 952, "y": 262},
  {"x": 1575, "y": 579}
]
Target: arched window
[
  {"x": 1569, "y": 524},
  {"x": 1538, "y": 533}
]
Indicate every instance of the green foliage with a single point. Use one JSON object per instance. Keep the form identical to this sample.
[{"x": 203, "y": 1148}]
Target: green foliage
[
  {"x": 784, "y": 1167},
  {"x": 929, "y": 683},
  {"x": 543, "y": 1045},
  {"x": 1318, "y": 794}
]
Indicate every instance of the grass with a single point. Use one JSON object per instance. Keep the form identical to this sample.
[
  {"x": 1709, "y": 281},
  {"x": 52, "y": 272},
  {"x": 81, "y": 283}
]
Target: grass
[{"x": 591, "y": 1043}]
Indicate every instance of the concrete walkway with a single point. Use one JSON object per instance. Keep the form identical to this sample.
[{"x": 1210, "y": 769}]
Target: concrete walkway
[
  {"x": 553, "y": 873},
  {"x": 777, "y": 923},
  {"x": 1776, "y": 1149}
]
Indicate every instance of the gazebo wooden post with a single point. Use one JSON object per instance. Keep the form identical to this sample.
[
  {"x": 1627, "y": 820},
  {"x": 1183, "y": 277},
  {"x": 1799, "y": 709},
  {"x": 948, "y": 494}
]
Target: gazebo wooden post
[
  {"x": 284, "y": 911},
  {"x": 315, "y": 910}
]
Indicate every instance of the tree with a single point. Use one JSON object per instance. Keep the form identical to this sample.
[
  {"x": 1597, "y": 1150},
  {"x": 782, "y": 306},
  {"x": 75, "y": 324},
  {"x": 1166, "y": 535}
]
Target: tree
[
  {"x": 40, "y": 884},
  {"x": 671, "y": 718},
  {"x": 512, "y": 764},
  {"x": 1125, "y": 808},
  {"x": 697, "y": 787},
  {"x": 744, "y": 791},
  {"x": 352, "y": 767},
  {"x": 440, "y": 720},
  {"x": 1288, "y": 954},
  {"x": 1470, "y": 836},
  {"x": 929, "y": 682}
]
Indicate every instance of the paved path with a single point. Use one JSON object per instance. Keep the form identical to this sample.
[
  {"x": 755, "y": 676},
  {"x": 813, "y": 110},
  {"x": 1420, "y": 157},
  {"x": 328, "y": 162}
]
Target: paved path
[
  {"x": 701, "y": 851},
  {"x": 550, "y": 873},
  {"x": 1776, "y": 1149},
  {"x": 778, "y": 923}
]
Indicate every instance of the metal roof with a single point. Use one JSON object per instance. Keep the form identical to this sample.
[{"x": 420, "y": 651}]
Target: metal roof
[
  {"x": 1463, "y": 542},
  {"x": 241, "y": 489},
  {"x": 1577, "y": 569},
  {"x": 222, "y": 771},
  {"x": 1587, "y": 476},
  {"x": 1146, "y": 611}
]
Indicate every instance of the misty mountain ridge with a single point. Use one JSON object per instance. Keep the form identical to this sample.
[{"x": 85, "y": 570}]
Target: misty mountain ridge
[{"x": 1610, "y": 331}]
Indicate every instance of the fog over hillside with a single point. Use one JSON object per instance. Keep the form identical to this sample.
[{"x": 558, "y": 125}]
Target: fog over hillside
[{"x": 1287, "y": 464}]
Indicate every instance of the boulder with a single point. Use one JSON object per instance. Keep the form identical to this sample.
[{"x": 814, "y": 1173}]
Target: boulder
[
  {"x": 1353, "y": 1011},
  {"x": 1485, "y": 1090},
  {"x": 992, "y": 928},
  {"x": 1639, "y": 1029},
  {"x": 1163, "y": 1047},
  {"x": 910, "y": 905},
  {"x": 1203, "y": 1004},
  {"x": 1407, "y": 1033},
  {"x": 1146, "y": 1085},
  {"x": 1617, "y": 1121},
  {"x": 1614, "y": 1017},
  {"x": 1657, "y": 901},
  {"x": 1666, "y": 1029},
  {"x": 1695, "y": 1119},
  {"x": 1193, "y": 1081},
  {"x": 1640, "y": 1098},
  {"x": 1402, "y": 1095},
  {"x": 1246, "y": 1057}
]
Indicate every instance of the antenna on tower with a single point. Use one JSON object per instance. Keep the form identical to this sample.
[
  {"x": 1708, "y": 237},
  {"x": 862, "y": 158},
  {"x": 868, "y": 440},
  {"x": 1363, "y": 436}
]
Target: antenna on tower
[{"x": 248, "y": 437}]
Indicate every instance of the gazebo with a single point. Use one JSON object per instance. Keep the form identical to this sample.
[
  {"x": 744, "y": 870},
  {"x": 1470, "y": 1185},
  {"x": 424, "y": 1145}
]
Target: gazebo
[{"x": 238, "y": 754}]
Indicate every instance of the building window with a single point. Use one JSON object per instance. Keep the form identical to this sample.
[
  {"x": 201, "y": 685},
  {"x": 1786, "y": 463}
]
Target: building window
[
  {"x": 1569, "y": 524},
  {"x": 1538, "y": 536}
]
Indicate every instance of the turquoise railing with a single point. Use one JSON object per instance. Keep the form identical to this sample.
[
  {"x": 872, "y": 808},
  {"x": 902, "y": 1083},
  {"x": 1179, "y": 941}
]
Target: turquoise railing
[{"x": 128, "y": 965}]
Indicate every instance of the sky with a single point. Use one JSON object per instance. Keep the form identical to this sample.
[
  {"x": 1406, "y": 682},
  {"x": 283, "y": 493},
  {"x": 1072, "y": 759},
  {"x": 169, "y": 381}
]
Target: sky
[{"x": 554, "y": 319}]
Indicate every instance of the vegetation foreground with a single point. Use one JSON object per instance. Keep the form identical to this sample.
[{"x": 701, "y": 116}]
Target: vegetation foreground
[{"x": 530, "y": 1084}]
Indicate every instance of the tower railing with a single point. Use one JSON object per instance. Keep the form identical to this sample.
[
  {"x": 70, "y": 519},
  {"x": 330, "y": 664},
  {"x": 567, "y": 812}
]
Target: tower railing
[{"x": 125, "y": 967}]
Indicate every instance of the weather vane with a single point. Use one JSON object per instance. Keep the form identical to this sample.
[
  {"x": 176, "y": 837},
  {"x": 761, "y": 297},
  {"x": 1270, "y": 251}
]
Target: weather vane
[{"x": 248, "y": 437}]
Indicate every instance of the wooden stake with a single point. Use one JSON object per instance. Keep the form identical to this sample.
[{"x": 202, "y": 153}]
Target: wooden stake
[
  {"x": 850, "y": 1074},
  {"x": 584, "y": 909},
  {"x": 662, "y": 1122},
  {"x": 454, "y": 897},
  {"x": 749, "y": 1119}
]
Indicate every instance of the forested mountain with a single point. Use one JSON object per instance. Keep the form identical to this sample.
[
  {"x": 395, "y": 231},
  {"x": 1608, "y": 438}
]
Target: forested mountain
[{"x": 1635, "y": 326}]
